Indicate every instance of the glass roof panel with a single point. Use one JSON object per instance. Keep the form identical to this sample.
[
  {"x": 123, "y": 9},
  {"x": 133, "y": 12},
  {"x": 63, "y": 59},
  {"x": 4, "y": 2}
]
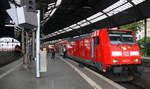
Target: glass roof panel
[
  {"x": 94, "y": 16},
  {"x": 76, "y": 27},
  {"x": 137, "y": 1},
  {"x": 84, "y": 24},
  {"x": 83, "y": 21},
  {"x": 120, "y": 9},
  {"x": 73, "y": 25},
  {"x": 98, "y": 18},
  {"x": 117, "y": 4},
  {"x": 69, "y": 30}
]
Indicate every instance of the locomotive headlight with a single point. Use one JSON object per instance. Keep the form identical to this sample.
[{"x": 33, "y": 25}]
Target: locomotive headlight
[
  {"x": 115, "y": 61},
  {"x": 116, "y": 53},
  {"x": 134, "y": 53},
  {"x": 136, "y": 60}
]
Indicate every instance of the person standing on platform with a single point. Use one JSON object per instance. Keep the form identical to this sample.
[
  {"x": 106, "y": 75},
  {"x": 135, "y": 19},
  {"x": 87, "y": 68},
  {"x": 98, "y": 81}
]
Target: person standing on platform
[
  {"x": 64, "y": 52},
  {"x": 53, "y": 53}
]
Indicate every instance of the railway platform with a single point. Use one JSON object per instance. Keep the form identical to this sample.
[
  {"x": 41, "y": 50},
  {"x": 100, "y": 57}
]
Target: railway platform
[{"x": 61, "y": 74}]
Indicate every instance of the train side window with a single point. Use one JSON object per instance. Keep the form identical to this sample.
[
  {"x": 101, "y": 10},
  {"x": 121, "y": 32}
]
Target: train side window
[{"x": 96, "y": 40}]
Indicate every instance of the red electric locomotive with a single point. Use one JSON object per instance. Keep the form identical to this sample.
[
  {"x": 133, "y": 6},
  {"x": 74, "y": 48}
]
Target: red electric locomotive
[{"x": 107, "y": 49}]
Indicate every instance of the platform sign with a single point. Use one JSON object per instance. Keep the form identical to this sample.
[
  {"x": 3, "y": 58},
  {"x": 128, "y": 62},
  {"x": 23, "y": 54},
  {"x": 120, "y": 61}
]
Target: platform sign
[
  {"x": 43, "y": 61},
  {"x": 22, "y": 17},
  {"x": 13, "y": 14}
]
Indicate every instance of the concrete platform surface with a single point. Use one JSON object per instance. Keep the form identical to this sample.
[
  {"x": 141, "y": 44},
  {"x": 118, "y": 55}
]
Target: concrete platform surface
[{"x": 60, "y": 75}]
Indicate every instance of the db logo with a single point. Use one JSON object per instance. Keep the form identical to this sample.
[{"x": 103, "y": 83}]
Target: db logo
[{"x": 126, "y": 53}]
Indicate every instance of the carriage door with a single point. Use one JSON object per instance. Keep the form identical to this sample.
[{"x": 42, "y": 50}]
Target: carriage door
[{"x": 95, "y": 47}]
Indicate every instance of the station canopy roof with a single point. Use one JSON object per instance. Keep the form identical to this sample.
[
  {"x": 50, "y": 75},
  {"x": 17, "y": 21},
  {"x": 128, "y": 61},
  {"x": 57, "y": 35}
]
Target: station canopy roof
[
  {"x": 74, "y": 17},
  {"x": 68, "y": 18}
]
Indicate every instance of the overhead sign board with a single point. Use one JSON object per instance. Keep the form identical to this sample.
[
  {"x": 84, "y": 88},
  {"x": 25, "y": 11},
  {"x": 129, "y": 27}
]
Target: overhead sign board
[{"x": 23, "y": 18}]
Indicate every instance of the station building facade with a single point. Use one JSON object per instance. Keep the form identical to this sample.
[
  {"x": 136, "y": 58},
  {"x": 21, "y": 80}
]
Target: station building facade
[{"x": 141, "y": 33}]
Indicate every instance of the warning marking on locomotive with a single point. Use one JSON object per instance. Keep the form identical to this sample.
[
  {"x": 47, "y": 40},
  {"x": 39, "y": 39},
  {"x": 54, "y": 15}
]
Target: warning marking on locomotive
[
  {"x": 9, "y": 71},
  {"x": 84, "y": 76},
  {"x": 104, "y": 78}
]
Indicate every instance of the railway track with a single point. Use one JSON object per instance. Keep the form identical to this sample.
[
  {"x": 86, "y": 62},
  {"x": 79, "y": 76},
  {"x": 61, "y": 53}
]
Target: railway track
[
  {"x": 146, "y": 61},
  {"x": 137, "y": 83},
  {"x": 8, "y": 56},
  {"x": 129, "y": 85}
]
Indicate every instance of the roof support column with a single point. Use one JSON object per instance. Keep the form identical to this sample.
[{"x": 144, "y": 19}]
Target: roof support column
[
  {"x": 23, "y": 45},
  {"x": 27, "y": 50},
  {"x": 33, "y": 44},
  {"x": 145, "y": 35},
  {"x": 38, "y": 46}
]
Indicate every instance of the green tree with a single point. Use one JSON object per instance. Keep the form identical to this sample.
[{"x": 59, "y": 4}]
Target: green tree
[
  {"x": 133, "y": 26},
  {"x": 145, "y": 47}
]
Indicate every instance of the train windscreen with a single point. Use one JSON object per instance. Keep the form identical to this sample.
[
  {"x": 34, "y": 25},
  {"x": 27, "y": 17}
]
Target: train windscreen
[{"x": 121, "y": 37}]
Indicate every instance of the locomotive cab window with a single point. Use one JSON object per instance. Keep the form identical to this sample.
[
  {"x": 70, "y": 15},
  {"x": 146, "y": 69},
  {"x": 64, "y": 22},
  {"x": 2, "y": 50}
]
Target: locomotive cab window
[
  {"x": 121, "y": 37},
  {"x": 96, "y": 40}
]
